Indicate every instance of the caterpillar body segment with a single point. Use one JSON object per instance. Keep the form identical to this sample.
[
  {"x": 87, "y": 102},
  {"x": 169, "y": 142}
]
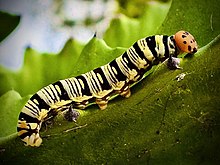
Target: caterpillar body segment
[{"x": 96, "y": 86}]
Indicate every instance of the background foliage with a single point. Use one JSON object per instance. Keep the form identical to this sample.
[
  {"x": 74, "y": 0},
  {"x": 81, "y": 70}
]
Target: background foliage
[
  {"x": 8, "y": 23},
  {"x": 164, "y": 120}
]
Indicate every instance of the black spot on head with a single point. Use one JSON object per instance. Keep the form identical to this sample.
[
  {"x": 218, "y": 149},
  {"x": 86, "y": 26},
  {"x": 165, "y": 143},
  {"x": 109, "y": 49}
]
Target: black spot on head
[
  {"x": 191, "y": 41},
  {"x": 189, "y": 48},
  {"x": 186, "y": 33},
  {"x": 194, "y": 50},
  {"x": 183, "y": 36},
  {"x": 184, "y": 42}
]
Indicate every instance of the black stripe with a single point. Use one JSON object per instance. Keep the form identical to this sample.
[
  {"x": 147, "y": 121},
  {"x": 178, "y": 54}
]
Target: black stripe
[
  {"x": 130, "y": 64},
  {"x": 22, "y": 136},
  {"x": 47, "y": 94},
  {"x": 32, "y": 109},
  {"x": 94, "y": 84},
  {"x": 63, "y": 95},
  {"x": 105, "y": 85},
  {"x": 42, "y": 104},
  {"x": 152, "y": 45},
  {"x": 112, "y": 73},
  {"x": 70, "y": 86},
  {"x": 90, "y": 79},
  {"x": 27, "y": 118},
  {"x": 47, "y": 91},
  {"x": 30, "y": 105},
  {"x": 165, "y": 42},
  {"x": 142, "y": 71},
  {"x": 140, "y": 52},
  {"x": 120, "y": 76},
  {"x": 176, "y": 49},
  {"x": 85, "y": 91},
  {"x": 75, "y": 90},
  {"x": 55, "y": 98}
]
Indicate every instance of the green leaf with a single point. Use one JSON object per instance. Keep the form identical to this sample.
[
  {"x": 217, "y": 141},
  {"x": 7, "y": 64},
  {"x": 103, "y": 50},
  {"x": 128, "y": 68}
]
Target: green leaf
[
  {"x": 95, "y": 54},
  {"x": 8, "y": 24},
  {"x": 164, "y": 120},
  {"x": 124, "y": 31},
  {"x": 41, "y": 69},
  {"x": 10, "y": 105}
]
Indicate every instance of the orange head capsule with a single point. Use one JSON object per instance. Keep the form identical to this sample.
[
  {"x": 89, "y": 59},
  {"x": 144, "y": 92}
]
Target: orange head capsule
[{"x": 185, "y": 42}]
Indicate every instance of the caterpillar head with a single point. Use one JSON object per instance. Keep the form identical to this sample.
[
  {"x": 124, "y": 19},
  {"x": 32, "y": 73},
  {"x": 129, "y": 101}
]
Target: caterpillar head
[{"x": 185, "y": 42}]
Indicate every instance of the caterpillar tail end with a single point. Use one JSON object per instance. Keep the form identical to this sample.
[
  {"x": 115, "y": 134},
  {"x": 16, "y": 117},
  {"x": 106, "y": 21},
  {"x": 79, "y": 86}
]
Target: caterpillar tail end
[{"x": 29, "y": 133}]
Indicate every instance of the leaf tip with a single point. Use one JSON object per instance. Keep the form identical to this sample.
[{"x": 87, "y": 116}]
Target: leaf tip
[
  {"x": 71, "y": 39},
  {"x": 28, "y": 47}
]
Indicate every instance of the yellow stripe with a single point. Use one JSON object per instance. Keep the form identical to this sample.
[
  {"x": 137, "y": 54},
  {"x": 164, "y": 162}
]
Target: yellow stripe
[
  {"x": 160, "y": 48},
  {"x": 147, "y": 52}
]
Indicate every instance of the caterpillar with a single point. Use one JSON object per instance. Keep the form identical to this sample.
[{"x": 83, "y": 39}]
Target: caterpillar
[{"x": 99, "y": 85}]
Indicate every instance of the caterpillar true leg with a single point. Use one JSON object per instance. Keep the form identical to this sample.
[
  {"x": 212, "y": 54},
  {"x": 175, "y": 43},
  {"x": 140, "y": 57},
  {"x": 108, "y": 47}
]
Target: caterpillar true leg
[{"x": 173, "y": 63}]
